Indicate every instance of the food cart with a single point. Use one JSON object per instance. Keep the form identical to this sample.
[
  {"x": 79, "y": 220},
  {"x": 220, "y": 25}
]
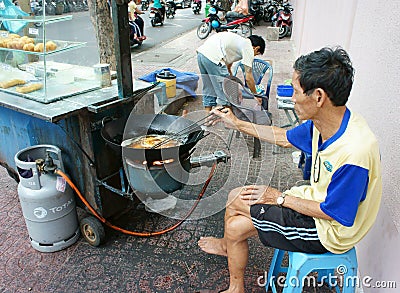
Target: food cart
[{"x": 70, "y": 121}]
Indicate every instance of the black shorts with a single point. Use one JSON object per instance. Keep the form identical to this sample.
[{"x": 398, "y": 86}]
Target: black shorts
[{"x": 286, "y": 229}]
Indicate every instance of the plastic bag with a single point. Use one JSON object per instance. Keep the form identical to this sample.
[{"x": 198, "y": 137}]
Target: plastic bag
[{"x": 10, "y": 11}]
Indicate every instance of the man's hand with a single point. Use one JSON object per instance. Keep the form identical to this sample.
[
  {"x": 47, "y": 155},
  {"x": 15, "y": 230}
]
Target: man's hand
[
  {"x": 257, "y": 194},
  {"x": 224, "y": 115}
]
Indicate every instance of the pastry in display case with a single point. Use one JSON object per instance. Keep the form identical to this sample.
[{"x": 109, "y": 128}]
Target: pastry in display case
[{"x": 36, "y": 64}]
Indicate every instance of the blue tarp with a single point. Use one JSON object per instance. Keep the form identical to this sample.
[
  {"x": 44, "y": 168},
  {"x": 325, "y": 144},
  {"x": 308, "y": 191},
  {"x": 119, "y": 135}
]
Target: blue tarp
[{"x": 184, "y": 80}]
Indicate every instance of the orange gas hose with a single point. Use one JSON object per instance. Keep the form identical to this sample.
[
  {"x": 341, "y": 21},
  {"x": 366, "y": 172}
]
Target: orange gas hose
[{"x": 133, "y": 233}]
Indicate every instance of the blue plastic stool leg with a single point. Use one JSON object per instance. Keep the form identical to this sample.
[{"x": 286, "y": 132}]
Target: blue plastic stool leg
[
  {"x": 274, "y": 269},
  {"x": 350, "y": 276}
]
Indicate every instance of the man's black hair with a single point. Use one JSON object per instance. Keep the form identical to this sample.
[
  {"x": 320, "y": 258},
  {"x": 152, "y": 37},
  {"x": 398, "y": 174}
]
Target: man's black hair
[
  {"x": 258, "y": 41},
  {"x": 329, "y": 69}
]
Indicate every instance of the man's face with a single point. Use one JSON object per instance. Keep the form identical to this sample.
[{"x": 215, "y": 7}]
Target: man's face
[{"x": 305, "y": 105}]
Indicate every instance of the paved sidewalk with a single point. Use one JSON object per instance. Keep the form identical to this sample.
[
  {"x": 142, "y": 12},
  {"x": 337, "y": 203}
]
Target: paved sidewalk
[{"x": 171, "y": 262}]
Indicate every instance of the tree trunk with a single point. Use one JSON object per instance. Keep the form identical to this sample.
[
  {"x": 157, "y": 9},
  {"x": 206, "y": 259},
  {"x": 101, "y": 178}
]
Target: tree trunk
[{"x": 100, "y": 15}]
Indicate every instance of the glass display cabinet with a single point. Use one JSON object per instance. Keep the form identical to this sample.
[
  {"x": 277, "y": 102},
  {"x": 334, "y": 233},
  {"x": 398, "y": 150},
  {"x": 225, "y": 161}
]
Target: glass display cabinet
[{"x": 36, "y": 62}]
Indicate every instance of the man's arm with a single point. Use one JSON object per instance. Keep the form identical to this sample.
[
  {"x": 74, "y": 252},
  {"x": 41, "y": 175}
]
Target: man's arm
[
  {"x": 251, "y": 84},
  {"x": 271, "y": 134},
  {"x": 229, "y": 67},
  {"x": 306, "y": 207},
  {"x": 250, "y": 79},
  {"x": 253, "y": 194}
]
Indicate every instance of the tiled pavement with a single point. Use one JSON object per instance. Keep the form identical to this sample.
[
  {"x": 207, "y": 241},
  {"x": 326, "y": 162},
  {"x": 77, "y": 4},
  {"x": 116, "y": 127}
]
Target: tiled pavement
[{"x": 171, "y": 262}]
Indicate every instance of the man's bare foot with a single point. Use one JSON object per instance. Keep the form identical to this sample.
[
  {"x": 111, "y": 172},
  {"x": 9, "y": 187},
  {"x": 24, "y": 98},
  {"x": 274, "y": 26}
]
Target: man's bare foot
[{"x": 213, "y": 245}]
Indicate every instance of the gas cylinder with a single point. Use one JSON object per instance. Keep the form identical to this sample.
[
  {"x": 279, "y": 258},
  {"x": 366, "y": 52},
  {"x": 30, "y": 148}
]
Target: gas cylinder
[{"x": 47, "y": 201}]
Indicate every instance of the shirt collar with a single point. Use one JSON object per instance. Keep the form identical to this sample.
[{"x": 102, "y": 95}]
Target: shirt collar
[{"x": 339, "y": 133}]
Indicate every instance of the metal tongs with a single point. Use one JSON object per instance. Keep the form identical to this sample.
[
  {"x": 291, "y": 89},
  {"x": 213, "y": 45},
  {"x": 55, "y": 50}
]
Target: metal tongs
[{"x": 185, "y": 131}]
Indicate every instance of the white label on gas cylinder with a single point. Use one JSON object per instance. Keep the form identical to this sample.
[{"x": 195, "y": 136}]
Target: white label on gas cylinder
[
  {"x": 40, "y": 212},
  {"x": 33, "y": 31},
  {"x": 61, "y": 184}
]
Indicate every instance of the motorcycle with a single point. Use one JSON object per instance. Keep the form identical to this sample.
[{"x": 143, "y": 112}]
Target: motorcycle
[
  {"x": 145, "y": 5},
  {"x": 270, "y": 9},
  {"x": 171, "y": 8},
  {"x": 242, "y": 26},
  {"x": 257, "y": 10},
  {"x": 283, "y": 20},
  {"x": 196, "y": 6},
  {"x": 156, "y": 16}
]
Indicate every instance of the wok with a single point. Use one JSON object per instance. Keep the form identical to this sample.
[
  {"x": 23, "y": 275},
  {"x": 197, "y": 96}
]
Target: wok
[
  {"x": 138, "y": 125},
  {"x": 112, "y": 132}
]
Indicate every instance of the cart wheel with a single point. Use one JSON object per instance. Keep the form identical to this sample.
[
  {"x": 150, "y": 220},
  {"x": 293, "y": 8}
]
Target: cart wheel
[{"x": 92, "y": 230}]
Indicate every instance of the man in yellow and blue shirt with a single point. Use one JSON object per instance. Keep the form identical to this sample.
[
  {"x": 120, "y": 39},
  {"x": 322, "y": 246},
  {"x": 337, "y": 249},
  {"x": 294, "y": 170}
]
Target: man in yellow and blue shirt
[{"x": 341, "y": 203}]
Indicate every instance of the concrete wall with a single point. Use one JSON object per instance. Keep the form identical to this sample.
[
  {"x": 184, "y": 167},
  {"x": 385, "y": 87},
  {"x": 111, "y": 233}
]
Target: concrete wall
[{"x": 369, "y": 31}]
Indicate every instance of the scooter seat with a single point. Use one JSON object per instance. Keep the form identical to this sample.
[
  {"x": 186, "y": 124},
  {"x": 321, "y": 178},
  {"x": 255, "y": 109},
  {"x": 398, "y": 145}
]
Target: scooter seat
[{"x": 230, "y": 18}]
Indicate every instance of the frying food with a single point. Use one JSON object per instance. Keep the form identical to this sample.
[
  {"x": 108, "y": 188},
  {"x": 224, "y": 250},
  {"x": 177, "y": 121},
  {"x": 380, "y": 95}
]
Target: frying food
[{"x": 148, "y": 141}]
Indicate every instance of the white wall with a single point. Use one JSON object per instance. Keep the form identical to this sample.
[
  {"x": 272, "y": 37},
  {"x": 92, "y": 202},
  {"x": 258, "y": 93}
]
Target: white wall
[
  {"x": 369, "y": 31},
  {"x": 322, "y": 23}
]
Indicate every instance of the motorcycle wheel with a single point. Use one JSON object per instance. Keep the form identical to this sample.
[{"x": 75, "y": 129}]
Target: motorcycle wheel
[
  {"x": 283, "y": 31},
  {"x": 203, "y": 30},
  {"x": 153, "y": 22},
  {"x": 245, "y": 30}
]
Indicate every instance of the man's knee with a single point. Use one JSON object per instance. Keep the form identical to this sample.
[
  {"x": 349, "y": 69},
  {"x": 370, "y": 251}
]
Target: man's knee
[
  {"x": 234, "y": 228},
  {"x": 233, "y": 195}
]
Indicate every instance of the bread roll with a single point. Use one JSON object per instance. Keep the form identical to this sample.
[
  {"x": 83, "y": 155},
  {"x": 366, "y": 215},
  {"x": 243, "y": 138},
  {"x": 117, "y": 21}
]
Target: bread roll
[
  {"x": 19, "y": 45},
  {"x": 29, "y": 47},
  {"x": 29, "y": 88},
  {"x": 24, "y": 38},
  {"x": 14, "y": 36},
  {"x": 12, "y": 82},
  {"x": 29, "y": 40},
  {"x": 13, "y": 44},
  {"x": 51, "y": 46},
  {"x": 39, "y": 47}
]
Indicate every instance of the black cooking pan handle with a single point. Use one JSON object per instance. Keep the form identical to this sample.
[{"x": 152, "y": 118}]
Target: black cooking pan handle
[{"x": 105, "y": 120}]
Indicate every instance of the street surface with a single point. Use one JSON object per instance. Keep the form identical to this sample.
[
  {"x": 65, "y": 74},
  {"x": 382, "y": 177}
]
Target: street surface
[
  {"x": 80, "y": 29},
  {"x": 183, "y": 21}
]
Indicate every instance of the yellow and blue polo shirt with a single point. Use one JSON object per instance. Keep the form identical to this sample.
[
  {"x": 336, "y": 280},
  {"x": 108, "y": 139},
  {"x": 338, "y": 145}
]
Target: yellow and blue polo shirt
[{"x": 345, "y": 179}]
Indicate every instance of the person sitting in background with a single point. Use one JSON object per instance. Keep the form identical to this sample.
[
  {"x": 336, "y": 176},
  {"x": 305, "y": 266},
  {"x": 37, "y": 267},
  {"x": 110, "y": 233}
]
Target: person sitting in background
[
  {"x": 135, "y": 21},
  {"x": 241, "y": 10},
  {"x": 339, "y": 206}
]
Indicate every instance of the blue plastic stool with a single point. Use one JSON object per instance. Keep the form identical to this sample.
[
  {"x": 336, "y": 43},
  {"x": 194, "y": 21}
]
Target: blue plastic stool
[{"x": 301, "y": 264}]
